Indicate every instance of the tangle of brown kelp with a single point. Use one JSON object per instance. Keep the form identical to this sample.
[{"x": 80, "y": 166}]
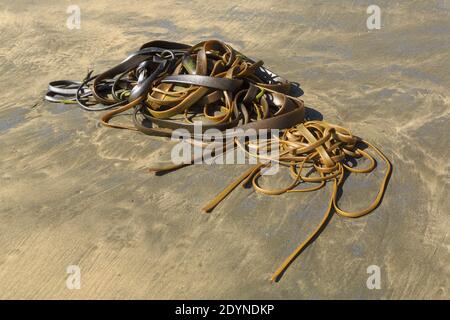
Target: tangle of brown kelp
[
  {"x": 174, "y": 86},
  {"x": 323, "y": 148}
]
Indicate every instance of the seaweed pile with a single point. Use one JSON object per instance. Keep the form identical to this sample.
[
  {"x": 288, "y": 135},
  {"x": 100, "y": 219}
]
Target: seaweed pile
[{"x": 211, "y": 86}]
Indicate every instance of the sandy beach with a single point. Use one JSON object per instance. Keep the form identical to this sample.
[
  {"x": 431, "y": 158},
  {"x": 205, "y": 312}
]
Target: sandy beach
[{"x": 75, "y": 193}]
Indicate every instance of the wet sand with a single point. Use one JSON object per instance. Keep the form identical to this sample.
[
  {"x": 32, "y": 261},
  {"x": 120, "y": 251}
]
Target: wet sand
[{"x": 75, "y": 193}]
